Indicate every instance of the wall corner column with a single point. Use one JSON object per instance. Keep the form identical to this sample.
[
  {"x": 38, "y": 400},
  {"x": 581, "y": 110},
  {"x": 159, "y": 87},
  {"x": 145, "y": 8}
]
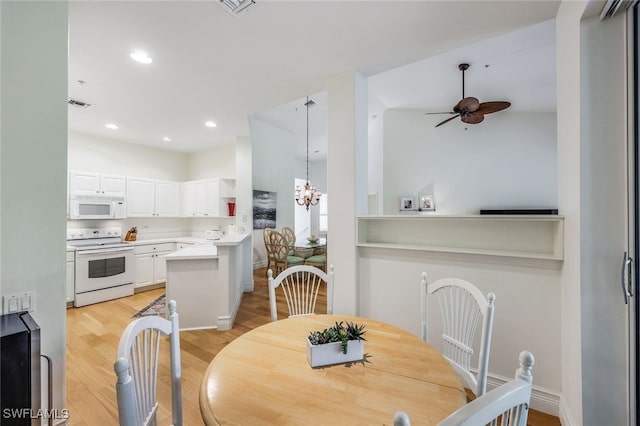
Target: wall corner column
[{"x": 346, "y": 181}]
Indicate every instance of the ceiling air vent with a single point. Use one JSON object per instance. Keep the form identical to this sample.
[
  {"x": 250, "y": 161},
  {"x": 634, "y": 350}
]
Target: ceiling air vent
[
  {"x": 79, "y": 104},
  {"x": 236, "y": 7}
]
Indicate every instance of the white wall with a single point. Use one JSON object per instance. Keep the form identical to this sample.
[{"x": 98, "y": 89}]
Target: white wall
[
  {"x": 527, "y": 303},
  {"x": 376, "y": 150},
  {"x": 220, "y": 161},
  {"x": 101, "y": 155},
  {"x": 568, "y": 84},
  {"x": 346, "y": 182},
  {"x": 273, "y": 170},
  {"x": 213, "y": 163},
  {"x": 508, "y": 161},
  {"x": 33, "y": 146}
]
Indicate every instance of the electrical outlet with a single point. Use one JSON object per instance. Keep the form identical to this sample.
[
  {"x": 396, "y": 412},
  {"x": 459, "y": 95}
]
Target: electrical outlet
[{"x": 19, "y": 302}]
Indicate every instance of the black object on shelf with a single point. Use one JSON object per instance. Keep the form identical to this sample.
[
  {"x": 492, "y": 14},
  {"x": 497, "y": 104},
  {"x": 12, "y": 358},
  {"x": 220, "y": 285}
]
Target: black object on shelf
[
  {"x": 519, "y": 211},
  {"x": 20, "y": 367}
]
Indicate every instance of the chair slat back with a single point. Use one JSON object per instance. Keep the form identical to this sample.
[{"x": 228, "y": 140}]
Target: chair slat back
[
  {"x": 279, "y": 246},
  {"x": 136, "y": 368},
  {"x": 507, "y": 405},
  {"x": 300, "y": 286},
  {"x": 280, "y": 250},
  {"x": 290, "y": 236},
  {"x": 462, "y": 307}
]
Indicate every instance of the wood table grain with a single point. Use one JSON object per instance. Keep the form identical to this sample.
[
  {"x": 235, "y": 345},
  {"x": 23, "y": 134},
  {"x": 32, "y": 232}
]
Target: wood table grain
[{"x": 263, "y": 377}]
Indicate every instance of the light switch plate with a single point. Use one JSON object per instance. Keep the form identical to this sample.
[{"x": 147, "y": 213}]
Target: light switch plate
[{"x": 19, "y": 302}]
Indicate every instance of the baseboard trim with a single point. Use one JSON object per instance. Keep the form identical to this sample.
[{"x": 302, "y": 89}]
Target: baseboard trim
[
  {"x": 247, "y": 287},
  {"x": 542, "y": 399},
  {"x": 148, "y": 287},
  {"x": 261, "y": 264},
  {"x": 565, "y": 414}
]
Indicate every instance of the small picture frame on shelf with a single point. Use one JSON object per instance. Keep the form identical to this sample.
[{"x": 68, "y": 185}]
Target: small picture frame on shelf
[
  {"x": 407, "y": 203},
  {"x": 427, "y": 203}
]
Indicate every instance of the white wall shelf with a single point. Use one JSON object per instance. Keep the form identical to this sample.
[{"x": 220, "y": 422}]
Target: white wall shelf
[{"x": 519, "y": 236}]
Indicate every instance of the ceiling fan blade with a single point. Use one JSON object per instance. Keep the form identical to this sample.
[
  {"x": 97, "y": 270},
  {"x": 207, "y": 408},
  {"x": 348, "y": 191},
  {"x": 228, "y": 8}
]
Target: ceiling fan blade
[
  {"x": 447, "y": 120},
  {"x": 473, "y": 118},
  {"x": 444, "y": 112},
  {"x": 495, "y": 106},
  {"x": 467, "y": 105}
]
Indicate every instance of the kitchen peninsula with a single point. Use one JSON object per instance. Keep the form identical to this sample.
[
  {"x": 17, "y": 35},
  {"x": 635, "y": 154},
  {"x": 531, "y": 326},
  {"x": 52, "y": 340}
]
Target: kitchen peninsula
[{"x": 207, "y": 281}]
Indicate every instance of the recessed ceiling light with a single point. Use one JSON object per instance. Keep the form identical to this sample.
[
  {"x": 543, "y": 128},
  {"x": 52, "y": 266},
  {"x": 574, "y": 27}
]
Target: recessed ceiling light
[
  {"x": 141, "y": 56},
  {"x": 167, "y": 139},
  {"x": 111, "y": 126},
  {"x": 210, "y": 124}
]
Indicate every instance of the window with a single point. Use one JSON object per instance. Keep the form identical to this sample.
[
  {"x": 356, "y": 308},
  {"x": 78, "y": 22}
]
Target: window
[{"x": 323, "y": 214}]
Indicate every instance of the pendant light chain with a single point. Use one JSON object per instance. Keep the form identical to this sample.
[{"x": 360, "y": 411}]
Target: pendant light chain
[
  {"x": 309, "y": 195},
  {"x": 307, "y": 104}
]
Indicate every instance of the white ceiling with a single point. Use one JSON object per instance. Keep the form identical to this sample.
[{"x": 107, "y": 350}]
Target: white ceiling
[{"x": 209, "y": 65}]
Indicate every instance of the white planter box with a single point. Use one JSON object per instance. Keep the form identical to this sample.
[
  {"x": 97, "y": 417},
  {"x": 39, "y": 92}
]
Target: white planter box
[{"x": 331, "y": 353}]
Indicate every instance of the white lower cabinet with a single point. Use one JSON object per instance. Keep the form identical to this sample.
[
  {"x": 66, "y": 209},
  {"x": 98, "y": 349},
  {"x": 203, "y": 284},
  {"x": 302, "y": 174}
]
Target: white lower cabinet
[
  {"x": 71, "y": 276},
  {"x": 151, "y": 266}
]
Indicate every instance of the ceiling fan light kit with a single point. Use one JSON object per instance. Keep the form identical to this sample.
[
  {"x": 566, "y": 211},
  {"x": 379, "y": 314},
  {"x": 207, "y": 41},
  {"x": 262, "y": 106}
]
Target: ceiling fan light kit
[{"x": 470, "y": 109}]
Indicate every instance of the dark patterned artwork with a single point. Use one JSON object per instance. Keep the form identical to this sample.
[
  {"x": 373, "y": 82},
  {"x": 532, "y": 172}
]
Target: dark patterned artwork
[{"x": 264, "y": 209}]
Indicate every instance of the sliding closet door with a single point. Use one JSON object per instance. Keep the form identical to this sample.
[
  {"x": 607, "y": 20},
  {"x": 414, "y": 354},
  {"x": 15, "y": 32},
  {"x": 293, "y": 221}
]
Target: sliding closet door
[{"x": 607, "y": 245}]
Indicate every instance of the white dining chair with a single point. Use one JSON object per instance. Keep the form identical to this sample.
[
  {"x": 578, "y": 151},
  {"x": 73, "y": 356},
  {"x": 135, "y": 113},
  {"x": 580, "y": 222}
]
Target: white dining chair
[
  {"x": 401, "y": 419},
  {"x": 136, "y": 368},
  {"x": 300, "y": 285},
  {"x": 462, "y": 306},
  {"x": 506, "y": 405}
]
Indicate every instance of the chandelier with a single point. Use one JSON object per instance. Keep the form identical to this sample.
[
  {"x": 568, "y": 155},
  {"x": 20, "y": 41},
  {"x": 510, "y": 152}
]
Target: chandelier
[{"x": 309, "y": 195}]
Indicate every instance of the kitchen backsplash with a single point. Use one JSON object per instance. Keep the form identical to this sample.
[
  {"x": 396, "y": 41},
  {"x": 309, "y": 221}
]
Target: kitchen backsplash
[{"x": 151, "y": 228}]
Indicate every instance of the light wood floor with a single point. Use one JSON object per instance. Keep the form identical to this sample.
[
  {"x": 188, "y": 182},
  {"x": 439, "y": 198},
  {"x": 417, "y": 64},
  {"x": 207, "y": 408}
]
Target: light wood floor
[{"x": 92, "y": 338}]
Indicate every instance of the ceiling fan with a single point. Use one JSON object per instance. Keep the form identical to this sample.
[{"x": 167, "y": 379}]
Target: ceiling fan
[{"x": 470, "y": 110}]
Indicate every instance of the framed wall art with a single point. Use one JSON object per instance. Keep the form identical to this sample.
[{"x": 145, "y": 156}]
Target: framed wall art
[
  {"x": 407, "y": 203},
  {"x": 264, "y": 209},
  {"x": 427, "y": 203}
]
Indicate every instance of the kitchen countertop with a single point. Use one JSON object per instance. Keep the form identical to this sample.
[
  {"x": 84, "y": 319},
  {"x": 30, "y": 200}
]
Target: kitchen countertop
[
  {"x": 194, "y": 253},
  {"x": 206, "y": 251},
  {"x": 187, "y": 240},
  {"x": 197, "y": 241}
]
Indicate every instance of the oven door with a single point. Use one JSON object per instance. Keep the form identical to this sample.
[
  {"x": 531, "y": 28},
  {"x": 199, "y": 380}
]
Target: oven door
[{"x": 103, "y": 268}]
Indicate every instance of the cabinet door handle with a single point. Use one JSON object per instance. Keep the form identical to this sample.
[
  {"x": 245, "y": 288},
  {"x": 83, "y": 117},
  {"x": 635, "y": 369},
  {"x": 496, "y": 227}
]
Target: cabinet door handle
[{"x": 626, "y": 277}]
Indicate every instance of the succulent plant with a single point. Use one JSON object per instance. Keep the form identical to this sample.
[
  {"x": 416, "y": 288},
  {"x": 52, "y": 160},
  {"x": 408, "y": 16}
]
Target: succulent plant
[{"x": 340, "y": 332}]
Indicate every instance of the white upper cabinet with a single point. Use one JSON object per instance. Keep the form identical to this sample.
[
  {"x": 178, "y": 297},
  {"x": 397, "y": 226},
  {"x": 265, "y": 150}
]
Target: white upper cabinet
[
  {"x": 188, "y": 202},
  {"x": 207, "y": 198},
  {"x": 167, "y": 200},
  {"x": 82, "y": 183},
  {"x": 149, "y": 197},
  {"x": 140, "y": 197}
]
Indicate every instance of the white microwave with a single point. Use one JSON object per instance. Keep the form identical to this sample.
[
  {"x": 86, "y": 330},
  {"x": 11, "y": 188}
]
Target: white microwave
[{"x": 97, "y": 207}]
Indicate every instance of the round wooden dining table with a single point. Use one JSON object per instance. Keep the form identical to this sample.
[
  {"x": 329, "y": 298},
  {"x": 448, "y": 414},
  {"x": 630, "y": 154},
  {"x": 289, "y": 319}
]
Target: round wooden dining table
[{"x": 263, "y": 378}]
